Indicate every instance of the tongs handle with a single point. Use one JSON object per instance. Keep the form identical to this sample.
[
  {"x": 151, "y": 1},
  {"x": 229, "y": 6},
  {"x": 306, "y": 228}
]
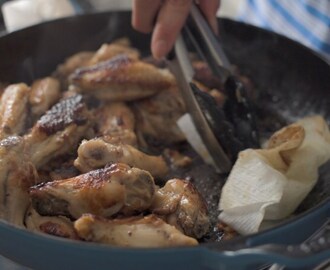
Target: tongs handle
[{"x": 208, "y": 44}]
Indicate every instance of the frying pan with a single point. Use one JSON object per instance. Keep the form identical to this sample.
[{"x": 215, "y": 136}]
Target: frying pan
[{"x": 290, "y": 81}]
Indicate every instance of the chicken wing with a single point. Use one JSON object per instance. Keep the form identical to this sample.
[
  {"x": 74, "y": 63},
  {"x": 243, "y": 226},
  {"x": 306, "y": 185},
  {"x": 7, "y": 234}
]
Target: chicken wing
[
  {"x": 96, "y": 153},
  {"x": 59, "y": 130},
  {"x": 122, "y": 79},
  {"x": 157, "y": 116},
  {"x": 14, "y": 108},
  {"x": 77, "y": 60},
  {"x": 57, "y": 226},
  {"x": 116, "y": 121},
  {"x": 108, "y": 51},
  {"x": 105, "y": 192},
  {"x": 182, "y": 206},
  {"x": 17, "y": 174},
  {"x": 143, "y": 232},
  {"x": 44, "y": 94}
]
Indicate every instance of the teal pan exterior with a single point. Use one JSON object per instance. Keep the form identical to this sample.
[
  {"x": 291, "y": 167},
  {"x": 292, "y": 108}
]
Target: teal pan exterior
[{"x": 278, "y": 64}]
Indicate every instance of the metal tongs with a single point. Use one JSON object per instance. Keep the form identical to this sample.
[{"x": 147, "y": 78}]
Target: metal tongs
[{"x": 224, "y": 131}]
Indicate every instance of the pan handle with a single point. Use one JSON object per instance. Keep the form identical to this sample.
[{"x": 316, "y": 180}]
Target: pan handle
[{"x": 303, "y": 242}]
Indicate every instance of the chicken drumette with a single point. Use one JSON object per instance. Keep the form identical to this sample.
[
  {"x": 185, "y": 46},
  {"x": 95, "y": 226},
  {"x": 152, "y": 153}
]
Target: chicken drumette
[
  {"x": 97, "y": 153},
  {"x": 149, "y": 231},
  {"x": 181, "y": 205},
  {"x": 14, "y": 110},
  {"x": 105, "y": 192},
  {"x": 17, "y": 174}
]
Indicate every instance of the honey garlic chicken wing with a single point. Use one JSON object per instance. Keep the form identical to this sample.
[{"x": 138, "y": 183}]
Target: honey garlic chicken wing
[
  {"x": 58, "y": 131},
  {"x": 157, "y": 116},
  {"x": 105, "y": 192},
  {"x": 182, "y": 206},
  {"x": 96, "y": 153},
  {"x": 142, "y": 232},
  {"x": 57, "y": 226},
  {"x": 122, "y": 79},
  {"x": 14, "y": 110},
  {"x": 44, "y": 94},
  {"x": 17, "y": 174},
  {"x": 116, "y": 121}
]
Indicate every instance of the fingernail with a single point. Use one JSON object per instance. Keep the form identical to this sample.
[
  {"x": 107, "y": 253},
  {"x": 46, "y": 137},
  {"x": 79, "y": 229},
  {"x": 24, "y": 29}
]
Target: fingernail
[{"x": 160, "y": 49}]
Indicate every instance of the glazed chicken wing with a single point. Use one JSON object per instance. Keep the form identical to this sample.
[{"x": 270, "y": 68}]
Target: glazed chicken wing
[
  {"x": 59, "y": 131},
  {"x": 44, "y": 94},
  {"x": 17, "y": 174},
  {"x": 182, "y": 206},
  {"x": 96, "y": 153},
  {"x": 143, "y": 232},
  {"x": 122, "y": 79},
  {"x": 105, "y": 192},
  {"x": 14, "y": 108}
]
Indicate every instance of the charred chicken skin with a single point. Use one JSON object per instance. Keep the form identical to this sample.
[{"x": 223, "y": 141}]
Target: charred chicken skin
[
  {"x": 105, "y": 192},
  {"x": 121, "y": 79},
  {"x": 59, "y": 130}
]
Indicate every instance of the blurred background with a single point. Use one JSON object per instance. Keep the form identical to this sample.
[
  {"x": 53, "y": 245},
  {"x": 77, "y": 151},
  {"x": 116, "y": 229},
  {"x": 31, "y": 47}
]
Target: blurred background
[{"x": 17, "y": 14}]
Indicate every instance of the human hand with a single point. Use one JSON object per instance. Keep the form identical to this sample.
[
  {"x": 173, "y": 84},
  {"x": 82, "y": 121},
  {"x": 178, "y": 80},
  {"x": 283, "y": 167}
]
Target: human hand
[{"x": 165, "y": 18}]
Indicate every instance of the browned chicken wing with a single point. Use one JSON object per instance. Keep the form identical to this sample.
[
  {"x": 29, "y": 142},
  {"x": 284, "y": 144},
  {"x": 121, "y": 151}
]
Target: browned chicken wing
[
  {"x": 96, "y": 153},
  {"x": 116, "y": 121},
  {"x": 105, "y": 192},
  {"x": 57, "y": 226},
  {"x": 108, "y": 51},
  {"x": 14, "y": 108},
  {"x": 157, "y": 116},
  {"x": 77, "y": 60},
  {"x": 143, "y": 232},
  {"x": 122, "y": 79},
  {"x": 59, "y": 131},
  {"x": 17, "y": 174},
  {"x": 182, "y": 206},
  {"x": 44, "y": 94}
]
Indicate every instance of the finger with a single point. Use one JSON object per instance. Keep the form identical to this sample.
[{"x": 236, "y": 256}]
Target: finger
[
  {"x": 170, "y": 20},
  {"x": 209, "y": 9},
  {"x": 144, "y": 14}
]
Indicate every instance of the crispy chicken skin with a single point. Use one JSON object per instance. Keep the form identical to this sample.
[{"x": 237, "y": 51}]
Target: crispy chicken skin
[
  {"x": 116, "y": 121},
  {"x": 122, "y": 79},
  {"x": 96, "y": 153},
  {"x": 142, "y": 232},
  {"x": 44, "y": 94},
  {"x": 105, "y": 192},
  {"x": 157, "y": 116},
  {"x": 181, "y": 205},
  {"x": 108, "y": 51},
  {"x": 17, "y": 174},
  {"x": 58, "y": 226},
  {"x": 75, "y": 61},
  {"x": 14, "y": 108},
  {"x": 58, "y": 131}
]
